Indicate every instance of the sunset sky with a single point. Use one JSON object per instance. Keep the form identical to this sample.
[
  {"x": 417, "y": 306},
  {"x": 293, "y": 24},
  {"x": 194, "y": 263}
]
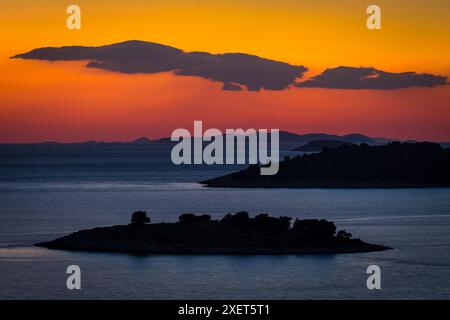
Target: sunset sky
[{"x": 64, "y": 101}]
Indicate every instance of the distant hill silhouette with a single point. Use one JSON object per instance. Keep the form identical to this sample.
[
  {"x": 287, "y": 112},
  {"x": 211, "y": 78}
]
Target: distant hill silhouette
[
  {"x": 393, "y": 165},
  {"x": 360, "y": 138},
  {"x": 288, "y": 141},
  {"x": 318, "y": 145},
  {"x": 301, "y": 139},
  {"x": 142, "y": 140}
]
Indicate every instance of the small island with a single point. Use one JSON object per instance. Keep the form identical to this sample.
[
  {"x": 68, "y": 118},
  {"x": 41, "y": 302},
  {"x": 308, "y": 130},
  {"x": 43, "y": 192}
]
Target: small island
[
  {"x": 199, "y": 234},
  {"x": 394, "y": 165}
]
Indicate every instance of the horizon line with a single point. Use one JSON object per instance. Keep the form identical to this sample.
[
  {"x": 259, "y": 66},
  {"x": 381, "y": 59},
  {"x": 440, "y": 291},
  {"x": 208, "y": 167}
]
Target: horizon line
[{"x": 145, "y": 139}]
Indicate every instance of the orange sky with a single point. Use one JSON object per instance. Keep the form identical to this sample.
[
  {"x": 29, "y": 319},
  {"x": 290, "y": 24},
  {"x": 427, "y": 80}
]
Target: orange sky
[{"x": 64, "y": 101}]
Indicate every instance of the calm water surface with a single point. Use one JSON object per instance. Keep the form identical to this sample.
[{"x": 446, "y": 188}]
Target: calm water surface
[{"x": 45, "y": 197}]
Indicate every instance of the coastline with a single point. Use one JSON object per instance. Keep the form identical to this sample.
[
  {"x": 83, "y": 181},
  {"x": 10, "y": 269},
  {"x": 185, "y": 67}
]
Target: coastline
[{"x": 260, "y": 185}]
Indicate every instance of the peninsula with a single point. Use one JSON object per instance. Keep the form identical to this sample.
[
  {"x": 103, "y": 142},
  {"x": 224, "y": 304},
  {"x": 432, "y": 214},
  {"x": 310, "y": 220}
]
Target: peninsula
[{"x": 394, "y": 165}]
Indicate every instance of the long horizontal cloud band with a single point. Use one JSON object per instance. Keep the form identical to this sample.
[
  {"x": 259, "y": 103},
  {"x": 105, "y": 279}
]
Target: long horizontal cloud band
[{"x": 235, "y": 70}]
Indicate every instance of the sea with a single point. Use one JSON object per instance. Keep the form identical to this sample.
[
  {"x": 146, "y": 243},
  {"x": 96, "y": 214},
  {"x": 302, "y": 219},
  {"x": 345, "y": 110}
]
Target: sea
[{"x": 46, "y": 194}]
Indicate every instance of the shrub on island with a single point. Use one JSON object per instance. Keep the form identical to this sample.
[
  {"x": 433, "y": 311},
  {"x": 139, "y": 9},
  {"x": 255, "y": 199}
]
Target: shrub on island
[
  {"x": 139, "y": 217},
  {"x": 241, "y": 218},
  {"x": 342, "y": 234},
  {"x": 305, "y": 230},
  {"x": 262, "y": 220},
  {"x": 314, "y": 229}
]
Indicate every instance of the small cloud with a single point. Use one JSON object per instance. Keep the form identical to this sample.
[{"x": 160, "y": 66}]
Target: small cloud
[{"x": 371, "y": 78}]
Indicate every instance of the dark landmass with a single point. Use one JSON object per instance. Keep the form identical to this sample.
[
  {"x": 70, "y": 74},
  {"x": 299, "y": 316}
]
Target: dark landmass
[
  {"x": 395, "y": 165},
  {"x": 144, "y": 146},
  {"x": 288, "y": 141},
  {"x": 318, "y": 145},
  {"x": 233, "y": 234},
  {"x": 285, "y": 137}
]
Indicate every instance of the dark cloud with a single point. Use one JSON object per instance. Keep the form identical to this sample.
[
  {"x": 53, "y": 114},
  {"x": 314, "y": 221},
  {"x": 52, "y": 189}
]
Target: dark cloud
[
  {"x": 370, "y": 78},
  {"x": 237, "y": 71},
  {"x": 233, "y": 69}
]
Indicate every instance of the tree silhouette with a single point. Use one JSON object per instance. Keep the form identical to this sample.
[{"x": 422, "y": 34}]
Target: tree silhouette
[
  {"x": 140, "y": 217},
  {"x": 314, "y": 229},
  {"x": 342, "y": 234}
]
